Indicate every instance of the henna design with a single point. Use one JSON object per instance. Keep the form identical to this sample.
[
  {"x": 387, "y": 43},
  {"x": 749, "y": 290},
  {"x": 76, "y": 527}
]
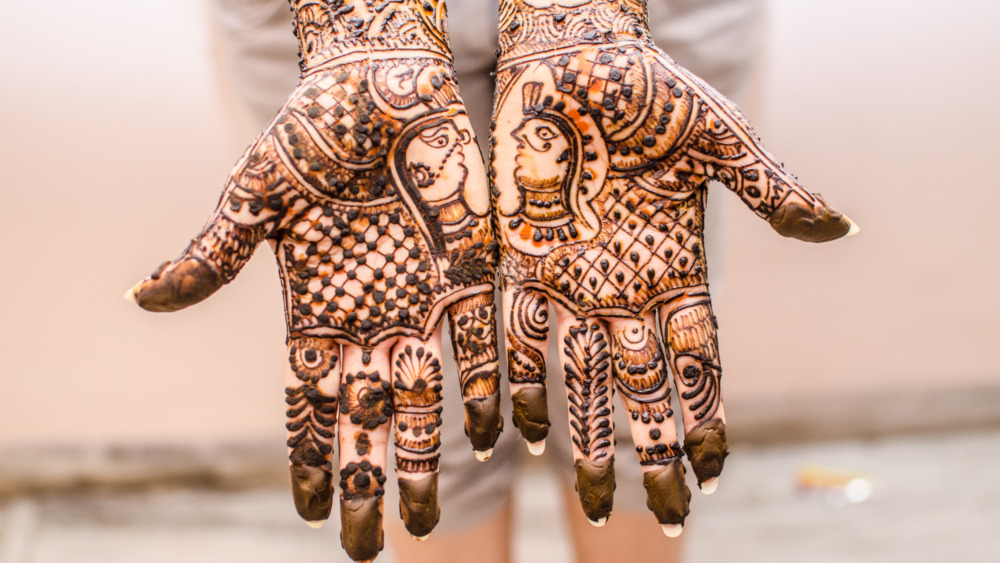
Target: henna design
[
  {"x": 601, "y": 151},
  {"x": 366, "y": 399},
  {"x": 694, "y": 354},
  {"x": 417, "y": 385},
  {"x": 473, "y": 335},
  {"x": 641, "y": 378},
  {"x": 368, "y": 185},
  {"x": 312, "y": 419},
  {"x": 475, "y": 345},
  {"x": 527, "y": 332},
  {"x": 361, "y": 480},
  {"x": 312, "y": 413},
  {"x": 327, "y": 29},
  {"x": 589, "y": 389}
]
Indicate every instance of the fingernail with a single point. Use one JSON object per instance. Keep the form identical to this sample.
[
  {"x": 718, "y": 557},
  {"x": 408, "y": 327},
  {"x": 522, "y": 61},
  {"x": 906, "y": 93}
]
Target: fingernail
[
  {"x": 420, "y": 538},
  {"x": 855, "y": 229},
  {"x": 710, "y": 486},
  {"x": 484, "y": 455},
  {"x": 315, "y": 524},
  {"x": 536, "y": 448},
  {"x": 672, "y": 530},
  {"x": 130, "y": 294},
  {"x": 598, "y": 523}
]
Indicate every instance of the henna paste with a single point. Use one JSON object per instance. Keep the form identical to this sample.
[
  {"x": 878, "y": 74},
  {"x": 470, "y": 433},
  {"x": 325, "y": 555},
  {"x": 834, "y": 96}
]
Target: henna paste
[
  {"x": 483, "y": 422},
  {"x": 706, "y": 449},
  {"x": 531, "y": 413},
  {"x": 361, "y": 527},
  {"x": 180, "y": 285},
  {"x": 312, "y": 491},
  {"x": 595, "y": 482},
  {"x": 817, "y": 224},
  {"x": 418, "y": 504},
  {"x": 666, "y": 493}
]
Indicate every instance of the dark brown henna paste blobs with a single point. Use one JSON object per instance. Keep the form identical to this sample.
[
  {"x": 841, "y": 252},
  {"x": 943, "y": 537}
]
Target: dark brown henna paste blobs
[
  {"x": 174, "y": 286},
  {"x": 531, "y": 413},
  {"x": 666, "y": 493},
  {"x": 418, "y": 505},
  {"x": 312, "y": 491},
  {"x": 706, "y": 449},
  {"x": 820, "y": 223},
  {"x": 361, "y": 527},
  {"x": 595, "y": 482}
]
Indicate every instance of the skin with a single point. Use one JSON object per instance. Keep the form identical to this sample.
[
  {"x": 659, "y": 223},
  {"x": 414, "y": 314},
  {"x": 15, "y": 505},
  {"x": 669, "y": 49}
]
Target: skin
[
  {"x": 601, "y": 152},
  {"x": 370, "y": 188}
]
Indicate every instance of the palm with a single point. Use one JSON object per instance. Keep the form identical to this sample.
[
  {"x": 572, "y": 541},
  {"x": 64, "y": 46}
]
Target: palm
[
  {"x": 601, "y": 156},
  {"x": 370, "y": 188}
]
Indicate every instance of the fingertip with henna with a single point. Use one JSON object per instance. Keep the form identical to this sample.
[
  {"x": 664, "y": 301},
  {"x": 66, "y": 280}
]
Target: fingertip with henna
[
  {"x": 595, "y": 483},
  {"x": 531, "y": 415},
  {"x": 667, "y": 495},
  {"x": 483, "y": 422},
  {"x": 705, "y": 446},
  {"x": 820, "y": 223},
  {"x": 312, "y": 492},
  {"x": 418, "y": 505},
  {"x": 361, "y": 527},
  {"x": 176, "y": 285}
]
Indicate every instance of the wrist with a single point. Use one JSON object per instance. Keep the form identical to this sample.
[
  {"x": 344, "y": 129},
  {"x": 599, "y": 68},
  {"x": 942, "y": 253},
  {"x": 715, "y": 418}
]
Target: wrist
[
  {"x": 327, "y": 29},
  {"x": 531, "y": 26}
]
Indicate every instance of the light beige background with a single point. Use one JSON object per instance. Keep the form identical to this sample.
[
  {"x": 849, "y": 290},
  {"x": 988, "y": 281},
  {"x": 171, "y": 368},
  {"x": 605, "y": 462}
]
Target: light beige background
[{"x": 114, "y": 147}]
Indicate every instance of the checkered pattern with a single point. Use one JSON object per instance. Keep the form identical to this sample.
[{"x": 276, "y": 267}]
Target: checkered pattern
[
  {"x": 643, "y": 250},
  {"x": 331, "y": 257}
]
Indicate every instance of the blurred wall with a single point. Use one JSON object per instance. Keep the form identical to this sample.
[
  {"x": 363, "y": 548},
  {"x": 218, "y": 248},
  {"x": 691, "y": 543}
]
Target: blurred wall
[{"x": 115, "y": 146}]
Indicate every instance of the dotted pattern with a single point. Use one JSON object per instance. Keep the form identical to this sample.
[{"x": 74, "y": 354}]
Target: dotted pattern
[
  {"x": 644, "y": 249},
  {"x": 338, "y": 249}
]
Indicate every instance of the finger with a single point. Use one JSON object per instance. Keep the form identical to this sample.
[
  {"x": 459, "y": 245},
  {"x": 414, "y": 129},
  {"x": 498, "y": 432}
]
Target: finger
[
  {"x": 692, "y": 349},
  {"x": 727, "y": 149},
  {"x": 473, "y": 336},
  {"x": 527, "y": 332},
  {"x": 641, "y": 377},
  {"x": 417, "y": 383},
  {"x": 312, "y": 386},
  {"x": 811, "y": 219},
  {"x": 366, "y": 406},
  {"x": 248, "y": 211},
  {"x": 585, "y": 356}
]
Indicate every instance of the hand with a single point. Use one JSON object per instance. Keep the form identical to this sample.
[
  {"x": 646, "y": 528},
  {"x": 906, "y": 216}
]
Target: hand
[
  {"x": 602, "y": 150},
  {"x": 370, "y": 189}
]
